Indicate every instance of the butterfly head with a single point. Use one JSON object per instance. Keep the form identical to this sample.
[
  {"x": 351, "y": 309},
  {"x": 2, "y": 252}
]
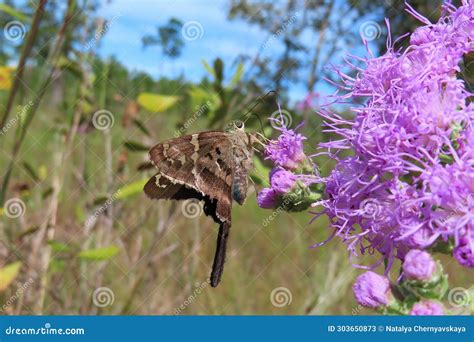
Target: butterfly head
[{"x": 236, "y": 126}]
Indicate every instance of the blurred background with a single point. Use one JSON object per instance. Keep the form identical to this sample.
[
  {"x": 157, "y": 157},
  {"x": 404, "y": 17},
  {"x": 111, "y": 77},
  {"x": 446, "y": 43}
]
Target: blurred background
[{"x": 87, "y": 87}]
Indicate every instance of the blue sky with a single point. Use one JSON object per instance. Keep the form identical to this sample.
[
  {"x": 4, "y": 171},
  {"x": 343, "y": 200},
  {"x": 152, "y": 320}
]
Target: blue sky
[{"x": 130, "y": 21}]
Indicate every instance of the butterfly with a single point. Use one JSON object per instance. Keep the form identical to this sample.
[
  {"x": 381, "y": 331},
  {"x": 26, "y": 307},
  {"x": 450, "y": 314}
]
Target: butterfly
[{"x": 210, "y": 166}]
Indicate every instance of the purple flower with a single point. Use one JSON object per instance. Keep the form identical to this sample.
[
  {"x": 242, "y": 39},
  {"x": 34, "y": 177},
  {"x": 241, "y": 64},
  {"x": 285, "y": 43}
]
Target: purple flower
[
  {"x": 412, "y": 145},
  {"x": 287, "y": 150},
  {"x": 427, "y": 308},
  {"x": 464, "y": 255},
  {"x": 282, "y": 180},
  {"x": 418, "y": 265},
  {"x": 267, "y": 198},
  {"x": 372, "y": 290}
]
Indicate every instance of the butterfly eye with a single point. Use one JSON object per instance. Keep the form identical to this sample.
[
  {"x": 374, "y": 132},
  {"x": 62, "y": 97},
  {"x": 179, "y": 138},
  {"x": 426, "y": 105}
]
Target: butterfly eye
[{"x": 239, "y": 124}]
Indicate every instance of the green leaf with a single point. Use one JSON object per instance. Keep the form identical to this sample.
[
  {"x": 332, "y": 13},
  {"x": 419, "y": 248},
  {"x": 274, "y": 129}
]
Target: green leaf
[
  {"x": 65, "y": 63},
  {"x": 260, "y": 172},
  {"x": 135, "y": 146},
  {"x": 131, "y": 189},
  {"x": 29, "y": 169},
  {"x": 141, "y": 126},
  {"x": 14, "y": 13},
  {"x": 80, "y": 213},
  {"x": 57, "y": 246},
  {"x": 201, "y": 97},
  {"x": 208, "y": 68},
  {"x": 156, "y": 102},
  {"x": 8, "y": 274},
  {"x": 99, "y": 254},
  {"x": 237, "y": 76},
  {"x": 56, "y": 266},
  {"x": 219, "y": 70}
]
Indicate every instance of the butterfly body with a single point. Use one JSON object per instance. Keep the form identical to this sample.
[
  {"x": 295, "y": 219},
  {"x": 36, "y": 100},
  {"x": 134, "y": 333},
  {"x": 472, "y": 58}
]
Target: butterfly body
[{"x": 209, "y": 166}]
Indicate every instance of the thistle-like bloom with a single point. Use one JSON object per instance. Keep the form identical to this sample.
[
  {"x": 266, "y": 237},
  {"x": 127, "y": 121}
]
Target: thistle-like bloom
[
  {"x": 410, "y": 181},
  {"x": 427, "y": 308},
  {"x": 287, "y": 150},
  {"x": 282, "y": 180},
  {"x": 464, "y": 255},
  {"x": 419, "y": 265},
  {"x": 267, "y": 198},
  {"x": 372, "y": 290}
]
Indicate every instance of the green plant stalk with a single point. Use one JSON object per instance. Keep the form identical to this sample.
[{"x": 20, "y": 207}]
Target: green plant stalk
[
  {"x": 48, "y": 69},
  {"x": 30, "y": 40}
]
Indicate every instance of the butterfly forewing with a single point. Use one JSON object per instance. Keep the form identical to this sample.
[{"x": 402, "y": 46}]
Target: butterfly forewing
[{"x": 209, "y": 166}]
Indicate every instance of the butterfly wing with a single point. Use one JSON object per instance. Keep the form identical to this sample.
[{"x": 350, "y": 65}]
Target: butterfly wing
[
  {"x": 198, "y": 166},
  {"x": 202, "y": 162}
]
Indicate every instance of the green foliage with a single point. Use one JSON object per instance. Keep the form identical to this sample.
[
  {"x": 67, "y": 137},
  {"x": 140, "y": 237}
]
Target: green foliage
[
  {"x": 98, "y": 254},
  {"x": 156, "y": 103},
  {"x": 14, "y": 13},
  {"x": 8, "y": 274},
  {"x": 131, "y": 189}
]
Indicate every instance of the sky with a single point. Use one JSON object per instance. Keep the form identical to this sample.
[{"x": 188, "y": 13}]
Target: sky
[{"x": 216, "y": 37}]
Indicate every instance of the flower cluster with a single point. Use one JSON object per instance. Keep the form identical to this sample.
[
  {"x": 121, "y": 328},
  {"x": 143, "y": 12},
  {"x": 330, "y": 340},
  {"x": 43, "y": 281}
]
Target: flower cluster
[
  {"x": 410, "y": 181},
  {"x": 290, "y": 188},
  {"x": 419, "y": 292}
]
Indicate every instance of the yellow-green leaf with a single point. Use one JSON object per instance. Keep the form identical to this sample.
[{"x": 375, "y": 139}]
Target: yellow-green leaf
[
  {"x": 131, "y": 189},
  {"x": 99, "y": 254},
  {"x": 208, "y": 68},
  {"x": 14, "y": 13},
  {"x": 156, "y": 102},
  {"x": 260, "y": 172},
  {"x": 8, "y": 274},
  {"x": 237, "y": 76}
]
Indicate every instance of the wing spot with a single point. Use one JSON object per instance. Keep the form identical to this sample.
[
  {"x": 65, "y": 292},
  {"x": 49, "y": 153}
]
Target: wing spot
[
  {"x": 165, "y": 150},
  {"x": 195, "y": 142}
]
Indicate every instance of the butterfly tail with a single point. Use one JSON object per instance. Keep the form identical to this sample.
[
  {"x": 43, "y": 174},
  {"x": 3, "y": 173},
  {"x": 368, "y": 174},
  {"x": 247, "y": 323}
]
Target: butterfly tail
[{"x": 219, "y": 258}]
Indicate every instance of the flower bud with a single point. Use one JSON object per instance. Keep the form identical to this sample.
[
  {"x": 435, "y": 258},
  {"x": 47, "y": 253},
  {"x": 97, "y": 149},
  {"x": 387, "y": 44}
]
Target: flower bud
[
  {"x": 372, "y": 290},
  {"x": 419, "y": 265},
  {"x": 427, "y": 308}
]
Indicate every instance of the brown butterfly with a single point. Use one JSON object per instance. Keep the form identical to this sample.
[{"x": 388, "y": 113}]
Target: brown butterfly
[{"x": 209, "y": 166}]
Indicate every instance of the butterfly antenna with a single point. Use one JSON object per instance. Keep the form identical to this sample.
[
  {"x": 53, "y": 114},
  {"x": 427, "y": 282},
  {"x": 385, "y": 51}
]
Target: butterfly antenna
[{"x": 258, "y": 101}]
